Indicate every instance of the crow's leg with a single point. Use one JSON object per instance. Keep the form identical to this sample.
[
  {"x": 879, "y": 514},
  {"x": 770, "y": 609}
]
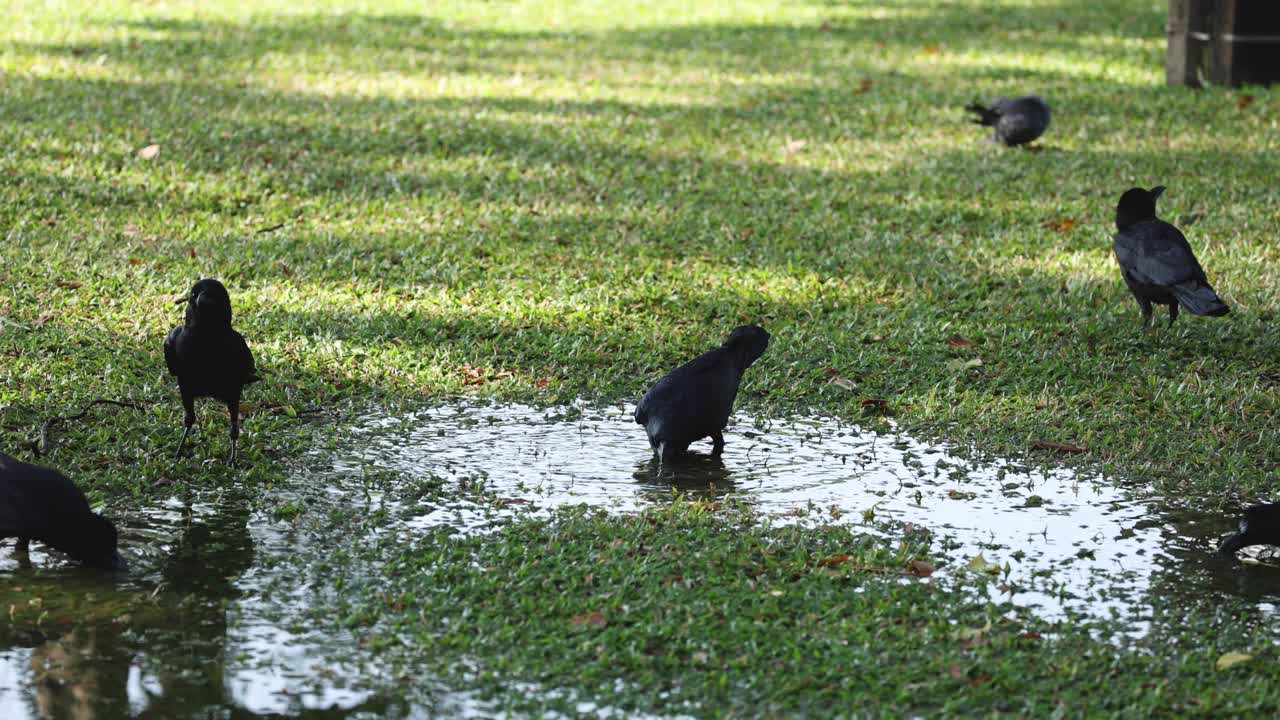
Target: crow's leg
[
  {"x": 22, "y": 554},
  {"x": 1145, "y": 306},
  {"x": 717, "y": 443},
  {"x": 234, "y": 409},
  {"x": 1173, "y": 312},
  {"x": 188, "y": 419}
]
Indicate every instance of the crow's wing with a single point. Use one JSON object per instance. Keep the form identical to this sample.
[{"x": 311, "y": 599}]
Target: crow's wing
[
  {"x": 243, "y": 358},
  {"x": 678, "y": 381},
  {"x": 171, "y": 349},
  {"x": 1156, "y": 253}
]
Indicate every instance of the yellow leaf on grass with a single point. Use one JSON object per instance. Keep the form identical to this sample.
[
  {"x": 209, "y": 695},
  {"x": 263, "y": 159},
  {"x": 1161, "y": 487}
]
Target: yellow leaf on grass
[{"x": 1232, "y": 659}]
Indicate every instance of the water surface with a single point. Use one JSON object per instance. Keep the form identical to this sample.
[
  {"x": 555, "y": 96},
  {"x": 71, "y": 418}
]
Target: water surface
[{"x": 232, "y": 605}]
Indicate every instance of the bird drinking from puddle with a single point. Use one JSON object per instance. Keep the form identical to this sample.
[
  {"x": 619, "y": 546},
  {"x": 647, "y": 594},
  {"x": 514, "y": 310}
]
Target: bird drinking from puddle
[
  {"x": 694, "y": 400},
  {"x": 1260, "y": 525},
  {"x": 41, "y": 504}
]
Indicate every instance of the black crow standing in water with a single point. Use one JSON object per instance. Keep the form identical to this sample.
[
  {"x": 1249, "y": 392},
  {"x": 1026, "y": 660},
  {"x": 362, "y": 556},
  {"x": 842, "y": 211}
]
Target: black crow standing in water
[
  {"x": 209, "y": 358},
  {"x": 1259, "y": 526},
  {"x": 1156, "y": 261},
  {"x": 1013, "y": 122},
  {"x": 694, "y": 400},
  {"x": 38, "y": 503}
]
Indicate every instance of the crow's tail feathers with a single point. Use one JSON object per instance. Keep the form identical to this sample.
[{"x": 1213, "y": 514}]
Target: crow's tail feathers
[
  {"x": 985, "y": 115},
  {"x": 1200, "y": 299}
]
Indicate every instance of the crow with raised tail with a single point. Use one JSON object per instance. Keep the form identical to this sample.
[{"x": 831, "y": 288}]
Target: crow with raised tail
[
  {"x": 1013, "y": 122},
  {"x": 694, "y": 400},
  {"x": 37, "y": 503},
  {"x": 209, "y": 358},
  {"x": 1156, "y": 260}
]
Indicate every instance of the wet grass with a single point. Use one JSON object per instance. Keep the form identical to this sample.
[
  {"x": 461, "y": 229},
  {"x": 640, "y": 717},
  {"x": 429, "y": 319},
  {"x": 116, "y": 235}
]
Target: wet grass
[
  {"x": 546, "y": 201},
  {"x": 706, "y": 610}
]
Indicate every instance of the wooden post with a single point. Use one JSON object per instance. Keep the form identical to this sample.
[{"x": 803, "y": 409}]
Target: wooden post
[
  {"x": 1185, "y": 52},
  {"x": 1223, "y": 45}
]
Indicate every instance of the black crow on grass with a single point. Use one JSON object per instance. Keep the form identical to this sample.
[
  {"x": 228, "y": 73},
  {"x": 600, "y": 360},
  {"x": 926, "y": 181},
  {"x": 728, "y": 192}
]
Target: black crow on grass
[
  {"x": 694, "y": 400},
  {"x": 41, "y": 504},
  {"x": 1013, "y": 122},
  {"x": 209, "y": 358},
  {"x": 1156, "y": 261}
]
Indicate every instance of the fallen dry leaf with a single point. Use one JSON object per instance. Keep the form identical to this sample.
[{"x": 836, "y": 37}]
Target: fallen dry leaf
[
  {"x": 864, "y": 86},
  {"x": 44, "y": 319},
  {"x": 594, "y": 619},
  {"x": 668, "y": 580},
  {"x": 794, "y": 146},
  {"x": 844, "y": 382},
  {"x": 191, "y": 252},
  {"x": 1030, "y": 636},
  {"x": 1060, "y": 224},
  {"x": 69, "y": 284},
  {"x": 1059, "y": 447},
  {"x": 957, "y": 341},
  {"x": 834, "y": 560},
  {"x": 1231, "y": 659},
  {"x": 932, "y": 50},
  {"x": 979, "y": 679},
  {"x": 541, "y": 382},
  {"x": 875, "y": 405},
  {"x": 957, "y": 364},
  {"x": 284, "y": 269},
  {"x": 1244, "y": 101},
  {"x": 830, "y": 372},
  {"x": 919, "y": 568},
  {"x": 955, "y": 671},
  {"x": 826, "y": 25},
  {"x": 149, "y": 151}
]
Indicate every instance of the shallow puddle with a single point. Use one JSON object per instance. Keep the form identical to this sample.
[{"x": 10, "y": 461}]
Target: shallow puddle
[
  {"x": 1066, "y": 543},
  {"x": 224, "y": 611}
]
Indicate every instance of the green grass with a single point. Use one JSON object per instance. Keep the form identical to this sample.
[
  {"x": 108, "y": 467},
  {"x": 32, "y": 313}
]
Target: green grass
[
  {"x": 712, "y": 611},
  {"x": 586, "y": 196},
  {"x": 582, "y": 195}
]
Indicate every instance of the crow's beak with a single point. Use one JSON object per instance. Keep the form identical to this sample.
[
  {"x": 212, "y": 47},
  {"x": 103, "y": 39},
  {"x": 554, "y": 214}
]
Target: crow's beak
[
  {"x": 1156, "y": 192},
  {"x": 1232, "y": 544},
  {"x": 118, "y": 564}
]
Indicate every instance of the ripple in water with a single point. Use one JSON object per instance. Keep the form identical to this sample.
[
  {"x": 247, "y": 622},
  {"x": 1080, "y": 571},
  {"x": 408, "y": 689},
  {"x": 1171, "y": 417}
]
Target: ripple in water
[{"x": 1072, "y": 543}]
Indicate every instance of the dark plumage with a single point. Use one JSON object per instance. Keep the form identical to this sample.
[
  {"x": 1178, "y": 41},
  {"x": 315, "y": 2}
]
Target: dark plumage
[
  {"x": 209, "y": 358},
  {"x": 1156, "y": 261},
  {"x": 1013, "y": 122},
  {"x": 38, "y": 503},
  {"x": 694, "y": 400},
  {"x": 1259, "y": 526}
]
